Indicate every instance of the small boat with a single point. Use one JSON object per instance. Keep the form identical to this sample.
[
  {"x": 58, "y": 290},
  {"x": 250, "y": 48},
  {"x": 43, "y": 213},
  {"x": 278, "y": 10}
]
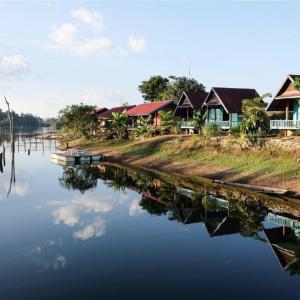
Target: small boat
[{"x": 73, "y": 156}]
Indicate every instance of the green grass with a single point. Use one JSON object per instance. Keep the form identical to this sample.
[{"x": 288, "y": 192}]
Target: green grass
[{"x": 192, "y": 149}]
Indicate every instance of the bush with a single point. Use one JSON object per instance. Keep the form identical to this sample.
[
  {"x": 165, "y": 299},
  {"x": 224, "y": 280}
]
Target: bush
[
  {"x": 235, "y": 131},
  {"x": 211, "y": 129}
]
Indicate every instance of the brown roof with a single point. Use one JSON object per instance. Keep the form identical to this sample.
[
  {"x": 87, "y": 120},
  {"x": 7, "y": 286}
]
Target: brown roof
[
  {"x": 148, "y": 108},
  {"x": 232, "y": 98},
  {"x": 196, "y": 98},
  {"x": 119, "y": 109},
  {"x": 100, "y": 110}
]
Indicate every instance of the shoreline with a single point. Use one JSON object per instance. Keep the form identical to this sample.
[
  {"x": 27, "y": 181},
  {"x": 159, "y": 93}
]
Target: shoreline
[{"x": 154, "y": 154}]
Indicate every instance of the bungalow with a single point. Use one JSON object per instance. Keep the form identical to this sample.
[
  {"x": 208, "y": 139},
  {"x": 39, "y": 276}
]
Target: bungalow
[
  {"x": 100, "y": 110},
  {"x": 189, "y": 104},
  {"x": 104, "y": 116},
  {"x": 286, "y": 101},
  {"x": 150, "y": 109},
  {"x": 224, "y": 105}
]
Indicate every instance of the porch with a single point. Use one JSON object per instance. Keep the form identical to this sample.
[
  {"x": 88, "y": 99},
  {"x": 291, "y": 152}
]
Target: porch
[
  {"x": 285, "y": 124},
  {"x": 225, "y": 124}
]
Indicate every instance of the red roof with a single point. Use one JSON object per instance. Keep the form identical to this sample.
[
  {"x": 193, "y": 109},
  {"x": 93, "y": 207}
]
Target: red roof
[
  {"x": 119, "y": 109},
  {"x": 148, "y": 108}
]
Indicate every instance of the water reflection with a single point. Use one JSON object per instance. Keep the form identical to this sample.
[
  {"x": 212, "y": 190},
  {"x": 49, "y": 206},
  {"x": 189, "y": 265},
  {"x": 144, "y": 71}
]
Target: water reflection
[
  {"x": 8, "y": 150},
  {"x": 178, "y": 202}
]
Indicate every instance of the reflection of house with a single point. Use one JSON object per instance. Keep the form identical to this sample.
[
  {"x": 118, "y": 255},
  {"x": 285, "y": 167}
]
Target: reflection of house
[
  {"x": 283, "y": 243},
  {"x": 189, "y": 215},
  {"x": 285, "y": 101},
  {"x": 224, "y": 105},
  {"x": 219, "y": 223},
  {"x": 150, "y": 109},
  {"x": 189, "y": 104},
  {"x": 105, "y": 115}
]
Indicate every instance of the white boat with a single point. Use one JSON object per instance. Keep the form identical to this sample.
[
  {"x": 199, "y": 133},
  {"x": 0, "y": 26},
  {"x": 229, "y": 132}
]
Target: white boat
[{"x": 75, "y": 156}]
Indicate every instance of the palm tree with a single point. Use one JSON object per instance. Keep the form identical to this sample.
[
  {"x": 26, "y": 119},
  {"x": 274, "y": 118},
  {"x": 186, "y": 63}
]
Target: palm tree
[
  {"x": 118, "y": 124},
  {"x": 199, "y": 119}
]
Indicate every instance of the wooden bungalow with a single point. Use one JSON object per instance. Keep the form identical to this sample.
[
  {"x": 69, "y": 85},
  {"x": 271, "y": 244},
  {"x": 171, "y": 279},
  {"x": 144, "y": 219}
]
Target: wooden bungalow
[
  {"x": 286, "y": 101},
  {"x": 189, "y": 104},
  {"x": 224, "y": 105},
  {"x": 149, "y": 109}
]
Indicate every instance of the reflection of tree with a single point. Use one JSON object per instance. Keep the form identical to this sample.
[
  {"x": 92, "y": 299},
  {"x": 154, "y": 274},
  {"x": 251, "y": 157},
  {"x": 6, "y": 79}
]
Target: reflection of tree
[
  {"x": 251, "y": 215},
  {"x": 80, "y": 178}
]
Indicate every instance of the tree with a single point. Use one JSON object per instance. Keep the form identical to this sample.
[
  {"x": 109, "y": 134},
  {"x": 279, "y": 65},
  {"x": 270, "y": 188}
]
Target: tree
[
  {"x": 118, "y": 124},
  {"x": 154, "y": 88},
  {"x": 199, "y": 119},
  {"x": 144, "y": 127},
  {"x": 180, "y": 84},
  {"x": 255, "y": 120},
  {"x": 80, "y": 120},
  {"x": 297, "y": 83},
  {"x": 168, "y": 122}
]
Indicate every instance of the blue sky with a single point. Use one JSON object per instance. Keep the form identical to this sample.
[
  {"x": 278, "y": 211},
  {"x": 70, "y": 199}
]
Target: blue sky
[{"x": 57, "y": 53}]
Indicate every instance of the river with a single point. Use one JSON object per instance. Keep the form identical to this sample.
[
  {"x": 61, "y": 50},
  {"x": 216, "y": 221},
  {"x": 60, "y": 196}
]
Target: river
[{"x": 113, "y": 232}]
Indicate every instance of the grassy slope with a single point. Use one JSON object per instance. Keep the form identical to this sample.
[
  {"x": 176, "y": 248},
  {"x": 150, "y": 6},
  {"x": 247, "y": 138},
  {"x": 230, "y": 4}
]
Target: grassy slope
[{"x": 191, "y": 155}]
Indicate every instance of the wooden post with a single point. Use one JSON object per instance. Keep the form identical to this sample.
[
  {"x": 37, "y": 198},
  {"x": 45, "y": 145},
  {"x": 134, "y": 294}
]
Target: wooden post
[{"x": 287, "y": 115}]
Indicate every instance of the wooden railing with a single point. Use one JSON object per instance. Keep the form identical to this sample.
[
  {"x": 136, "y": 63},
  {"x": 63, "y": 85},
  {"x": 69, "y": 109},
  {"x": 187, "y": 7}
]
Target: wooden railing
[
  {"x": 284, "y": 124},
  {"x": 221, "y": 124},
  {"x": 187, "y": 125}
]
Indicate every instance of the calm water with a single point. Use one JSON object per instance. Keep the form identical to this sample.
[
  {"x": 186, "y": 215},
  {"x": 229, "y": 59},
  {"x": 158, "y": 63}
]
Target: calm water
[{"x": 105, "y": 232}]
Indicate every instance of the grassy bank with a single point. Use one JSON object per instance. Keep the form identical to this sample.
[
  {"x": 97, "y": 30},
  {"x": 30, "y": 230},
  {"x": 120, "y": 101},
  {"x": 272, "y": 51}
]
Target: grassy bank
[{"x": 193, "y": 155}]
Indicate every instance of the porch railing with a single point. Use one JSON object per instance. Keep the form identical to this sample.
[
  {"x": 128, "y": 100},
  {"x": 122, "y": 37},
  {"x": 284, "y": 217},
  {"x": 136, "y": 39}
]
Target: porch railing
[
  {"x": 284, "y": 124},
  {"x": 187, "y": 125},
  {"x": 221, "y": 124}
]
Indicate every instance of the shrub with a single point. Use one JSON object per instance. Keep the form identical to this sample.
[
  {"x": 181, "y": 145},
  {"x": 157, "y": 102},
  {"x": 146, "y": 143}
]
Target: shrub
[
  {"x": 211, "y": 129},
  {"x": 235, "y": 131}
]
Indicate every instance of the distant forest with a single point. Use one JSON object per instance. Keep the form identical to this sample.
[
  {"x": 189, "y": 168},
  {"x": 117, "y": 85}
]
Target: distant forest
[{"x": 27, "y": 121}]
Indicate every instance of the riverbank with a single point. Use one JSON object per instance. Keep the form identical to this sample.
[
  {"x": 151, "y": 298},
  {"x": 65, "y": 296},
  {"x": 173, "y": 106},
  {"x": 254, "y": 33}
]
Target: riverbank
[{"x": 273, "y": 164}]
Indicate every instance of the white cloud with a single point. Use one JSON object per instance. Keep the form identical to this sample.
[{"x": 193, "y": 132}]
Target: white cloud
[
  {"x": 64, "y": 34},
  {"x": 19, "y": 188},
  {"x": 13, "y": 66},
  {"x": 95, "y": 229},
  {"x": 67, "y": 37},
  {"x": 135, "y": 209},
  {"x": 69, "y": 212},
  {"x": 136, "y": 44},
  {"x": 92, "y": 18}
]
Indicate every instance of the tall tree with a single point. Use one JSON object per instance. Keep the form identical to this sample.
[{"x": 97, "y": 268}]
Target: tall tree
[
  {"x": 179, "y": 84},
  {"x": 81, "y": 120},
  {"x": 154, "y": 88}
]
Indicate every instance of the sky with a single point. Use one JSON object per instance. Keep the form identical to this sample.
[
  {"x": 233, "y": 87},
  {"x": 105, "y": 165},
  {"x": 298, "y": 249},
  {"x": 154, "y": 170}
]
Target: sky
[{"x": 53, "y": 54}]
